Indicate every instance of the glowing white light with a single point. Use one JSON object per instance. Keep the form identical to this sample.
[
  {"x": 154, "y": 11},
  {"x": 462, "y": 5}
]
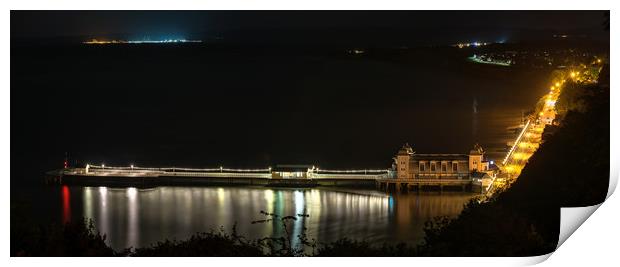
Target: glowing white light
[
  {"x": 132, "y": 192},
  {"x": 516, "y": 142},
  {"x": 132, "y": 208}
]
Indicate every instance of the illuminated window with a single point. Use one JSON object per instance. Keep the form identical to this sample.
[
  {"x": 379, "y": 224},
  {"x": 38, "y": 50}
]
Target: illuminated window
[
  {"x": 455, "y": 167},
  {"x": 444, "y": 167},
  {"x": 432, "y": 166},
  {"x": 422, "y": 166}
]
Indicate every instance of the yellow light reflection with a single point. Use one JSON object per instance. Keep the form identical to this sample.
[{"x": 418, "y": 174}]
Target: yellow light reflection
[
  {"x": 221, "y": 195},
  {"x": 269, "y": 198},
  {"x": 132, "y": 225}
]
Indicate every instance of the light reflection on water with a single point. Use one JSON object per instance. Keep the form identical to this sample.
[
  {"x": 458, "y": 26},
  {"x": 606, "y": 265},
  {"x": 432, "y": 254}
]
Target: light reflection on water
[{"x": 133, "y": 217}]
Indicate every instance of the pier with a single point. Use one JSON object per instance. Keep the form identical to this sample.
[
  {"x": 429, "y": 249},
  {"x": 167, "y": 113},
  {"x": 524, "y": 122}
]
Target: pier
[
  {"x": 383, "y": 179},
  {"x": 93, "y": 175}
]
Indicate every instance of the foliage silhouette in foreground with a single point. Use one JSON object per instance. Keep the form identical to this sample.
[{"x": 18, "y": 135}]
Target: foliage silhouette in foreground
[{"x": 283, "y": 246}]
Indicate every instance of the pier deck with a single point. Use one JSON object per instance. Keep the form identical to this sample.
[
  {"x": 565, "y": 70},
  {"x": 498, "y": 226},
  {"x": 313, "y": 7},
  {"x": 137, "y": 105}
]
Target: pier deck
[{"x": 129, "y": 176}]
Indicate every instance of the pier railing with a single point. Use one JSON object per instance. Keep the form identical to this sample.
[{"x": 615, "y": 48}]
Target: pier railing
[
  {"x": 347, "y": 176},
  {"x": 218, "y": 174},
  {"x": 133, "y": 171}
]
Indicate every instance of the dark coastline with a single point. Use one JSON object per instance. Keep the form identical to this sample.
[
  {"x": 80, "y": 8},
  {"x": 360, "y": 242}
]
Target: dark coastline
[{"x": 524, "y": 220}]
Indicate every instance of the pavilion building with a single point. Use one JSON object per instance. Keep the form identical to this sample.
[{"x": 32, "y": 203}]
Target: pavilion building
[{"x": 412, "y": 165}]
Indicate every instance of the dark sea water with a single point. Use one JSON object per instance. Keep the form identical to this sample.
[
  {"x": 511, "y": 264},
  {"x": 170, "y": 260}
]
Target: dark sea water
[
  {"x": 132, "y": 217},
  {"x": 256, "y": 107},
  {"x": 195, "y": 106}
]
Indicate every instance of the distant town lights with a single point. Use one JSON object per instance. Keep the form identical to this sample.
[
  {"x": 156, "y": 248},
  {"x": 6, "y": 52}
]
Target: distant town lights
[
  {"x": 474, "y": 44},
  {"x": 165, "y": 41}
]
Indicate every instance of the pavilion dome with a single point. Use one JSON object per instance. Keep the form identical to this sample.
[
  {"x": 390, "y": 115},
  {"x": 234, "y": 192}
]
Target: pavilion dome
[
  {"x": 476, "y": 150},
  {"x": 405, "y": 150}
]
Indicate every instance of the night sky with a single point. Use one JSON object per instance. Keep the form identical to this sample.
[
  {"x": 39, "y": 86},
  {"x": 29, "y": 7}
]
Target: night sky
[{"x": 183, "y": 23}]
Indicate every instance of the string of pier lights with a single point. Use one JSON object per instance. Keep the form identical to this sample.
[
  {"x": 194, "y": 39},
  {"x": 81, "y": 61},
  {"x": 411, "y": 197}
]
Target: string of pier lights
[
  {"x": 349, "y": 171},
  {"x": 222, "y": 169},
  {"x": 172, "y": 169},
  {"x": 516, "y": 142}
]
